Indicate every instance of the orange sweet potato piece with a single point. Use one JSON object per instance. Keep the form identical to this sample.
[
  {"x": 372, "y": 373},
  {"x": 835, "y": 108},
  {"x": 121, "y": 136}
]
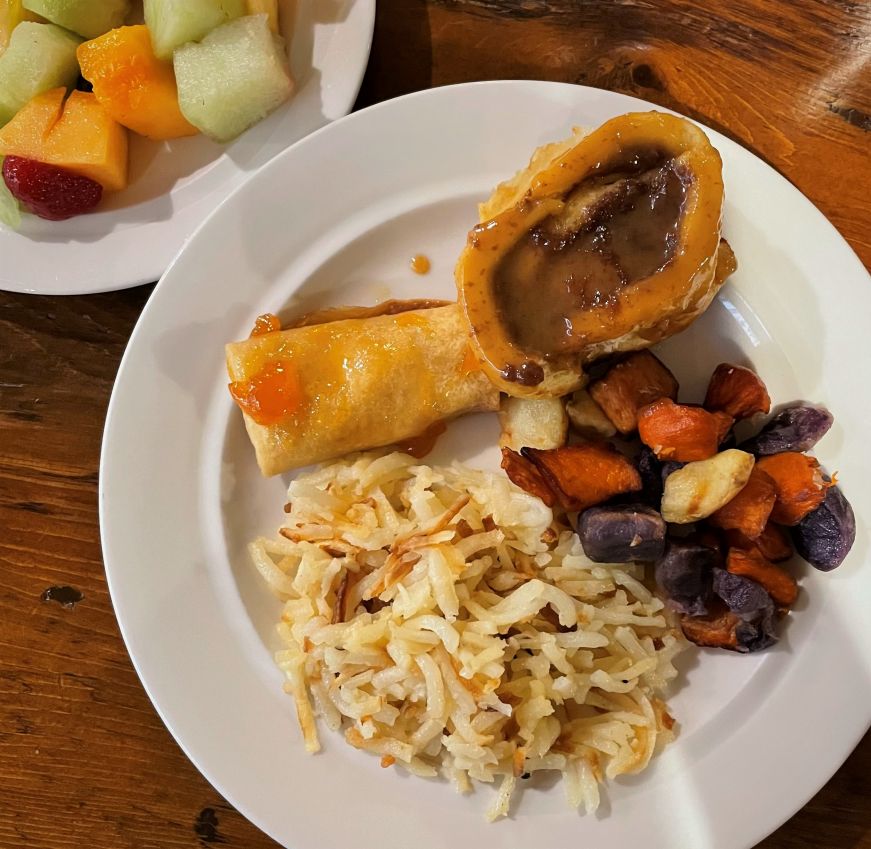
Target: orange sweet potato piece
[
  {"x": 679, "y": 432},
  {"x": 737, "y": 391},
  {"x": 750, "y": 563},
  {"x": 526, "y": 475},
  {"x": 800, "y": 485},
  {"x": 749, "y": 510},
  {"x": 716, "y": 630},
  {"x": 586, "y": 474},
  {"x": 773, "y": 543},
  {"x": 630, "y": 385}
]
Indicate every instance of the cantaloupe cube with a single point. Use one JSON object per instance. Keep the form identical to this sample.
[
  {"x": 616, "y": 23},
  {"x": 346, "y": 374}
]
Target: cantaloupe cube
[
  {"x": 89, "y": 18},
  {"x": 265, "y": 7},
  {"x": 27, "y": 133},
  {"x": 78, "y": 135},
  {"x": 39, "y": 57},
  {"x": 135, "y": 87},
  {"x": 176, "y": 22},
  {"x": 236, "y": 76}
]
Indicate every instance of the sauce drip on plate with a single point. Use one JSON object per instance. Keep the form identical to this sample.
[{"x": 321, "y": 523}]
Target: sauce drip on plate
[
  {"x": 420, "y": 445},
  {"x": 420, "y": 264}
]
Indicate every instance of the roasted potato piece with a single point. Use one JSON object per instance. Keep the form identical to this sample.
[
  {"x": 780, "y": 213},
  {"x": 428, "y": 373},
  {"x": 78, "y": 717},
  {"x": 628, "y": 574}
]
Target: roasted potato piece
[
  {"x": 801, "y": 486},
  {"x": 680, "y": 432},
  {"x": 737, "y": 391},
  {"x": 825, "y": 536},
  {"x": 526, "y": 475},
  {"x": 585, "y": 475},
  {"x": 722, "y": 628},
  {"x": 623, "y": 533},
  {"x": 630, "y": 385},
  {"x": 684, "y": 574},
  {"x": 532, "y": 423},
  {"x": 701, "y": 487},
  {"x": 796, "y": 428},
  {"x": 650, "y": 470},
  {"x": 587, "y": 417},
  {"x": 776, "y": 581},
  {"x": 752, "y": 604},
  {"x": 749, "y": 510}
]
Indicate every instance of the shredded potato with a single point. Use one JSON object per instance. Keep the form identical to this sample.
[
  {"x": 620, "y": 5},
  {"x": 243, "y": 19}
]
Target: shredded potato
[{"x": 444, "y": 620}]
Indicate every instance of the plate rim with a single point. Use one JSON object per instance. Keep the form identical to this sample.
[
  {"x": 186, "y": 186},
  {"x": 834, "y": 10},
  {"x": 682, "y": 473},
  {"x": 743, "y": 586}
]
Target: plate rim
[{"x": 337, "y": 126}]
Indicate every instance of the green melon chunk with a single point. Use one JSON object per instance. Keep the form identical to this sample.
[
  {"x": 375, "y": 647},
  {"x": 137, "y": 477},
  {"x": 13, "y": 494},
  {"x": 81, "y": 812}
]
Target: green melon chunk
[
  {"x": 235, "y": 77},
  {"x": 89, "y": 18},
  {"x": 39, "y": 57},
  {"x": 176, "y": 22}
]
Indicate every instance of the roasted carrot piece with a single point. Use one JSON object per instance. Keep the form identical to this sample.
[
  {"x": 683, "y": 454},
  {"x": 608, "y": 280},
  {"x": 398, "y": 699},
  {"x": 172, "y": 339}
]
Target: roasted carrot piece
[
  {"x": 750, "y": 563},
  {"x": 800, "y": 485},
  {"x": 630, "y": 385},
  {"x": 773, "y": 543},
  {"x": 526, "y": 475},
  {"x": 585, "y": 475},
  {"x": 737, "y": 391},
  {"x": 717, "y": 629},
  {"x": 679, "y": 432},
  {"x": 749, "y": 510}
]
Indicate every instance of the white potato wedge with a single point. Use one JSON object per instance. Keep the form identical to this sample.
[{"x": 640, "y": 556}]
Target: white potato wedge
[
  {"x": 703, "y": 486},
  {"x": 587, "y": 417},
  {"x": 532, "y": 423}
]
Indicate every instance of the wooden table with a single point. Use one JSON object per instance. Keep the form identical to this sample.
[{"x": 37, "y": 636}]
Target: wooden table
[{"x": 84, "y": 759}]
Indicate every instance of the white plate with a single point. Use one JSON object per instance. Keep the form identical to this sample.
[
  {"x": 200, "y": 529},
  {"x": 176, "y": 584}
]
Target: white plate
[
  {"x": 333, "y": 221},
  {"x": 175, "y": 185}
]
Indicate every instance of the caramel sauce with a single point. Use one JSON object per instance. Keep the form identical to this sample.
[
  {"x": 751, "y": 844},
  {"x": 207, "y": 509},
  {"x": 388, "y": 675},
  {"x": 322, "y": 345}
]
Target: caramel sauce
[
  {"x": 420, "y": 264},
  {"x": 606, "y": 237},
  {"x": 420, "y": 445},
  {"x": 273, "y": 394},
  {"x": 470, "y": 362},
  {"x": 266, "y": 323}
]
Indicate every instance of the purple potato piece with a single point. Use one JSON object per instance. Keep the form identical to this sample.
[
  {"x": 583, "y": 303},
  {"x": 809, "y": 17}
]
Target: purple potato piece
[
  {"x": 796, "y": 428},
  {"x": 669, "y": 466},
  {"x": 650, "y": 469},
  {"x": 752, "y": 604},
  {"x": 825, "y": 536},
  {"x": 621, "y": 533},
  {"x": 684, "y": 574}
]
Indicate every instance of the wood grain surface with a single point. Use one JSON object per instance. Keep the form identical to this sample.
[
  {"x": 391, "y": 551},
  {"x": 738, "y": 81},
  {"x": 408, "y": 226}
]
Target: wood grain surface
[{"x": 84, "y": 759}]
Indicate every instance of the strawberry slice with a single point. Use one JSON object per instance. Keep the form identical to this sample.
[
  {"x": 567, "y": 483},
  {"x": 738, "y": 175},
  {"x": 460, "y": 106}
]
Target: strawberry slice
[{"x": 48, "y": 191}]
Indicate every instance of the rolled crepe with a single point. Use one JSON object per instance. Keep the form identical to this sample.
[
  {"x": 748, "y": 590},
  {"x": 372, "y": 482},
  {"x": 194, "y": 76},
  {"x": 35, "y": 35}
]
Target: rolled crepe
[{"x": 359, "y": 383}]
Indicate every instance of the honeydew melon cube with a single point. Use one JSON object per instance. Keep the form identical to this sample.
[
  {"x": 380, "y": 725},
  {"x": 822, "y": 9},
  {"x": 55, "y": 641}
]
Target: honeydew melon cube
[
  {"x": 176, "y": 22},
  {"x": 89, "y": 18},
  {"x": 39, "y": 57},
  {"x": 235, "y": 77}
]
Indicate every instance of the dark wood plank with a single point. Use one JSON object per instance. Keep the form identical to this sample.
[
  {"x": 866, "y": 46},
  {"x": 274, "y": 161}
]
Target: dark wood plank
[{"x": 84, "y": 758}]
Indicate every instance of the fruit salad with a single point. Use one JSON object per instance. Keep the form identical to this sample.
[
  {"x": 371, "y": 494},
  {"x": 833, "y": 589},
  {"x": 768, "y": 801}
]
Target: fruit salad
[{"x": 76, "y": 77}]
